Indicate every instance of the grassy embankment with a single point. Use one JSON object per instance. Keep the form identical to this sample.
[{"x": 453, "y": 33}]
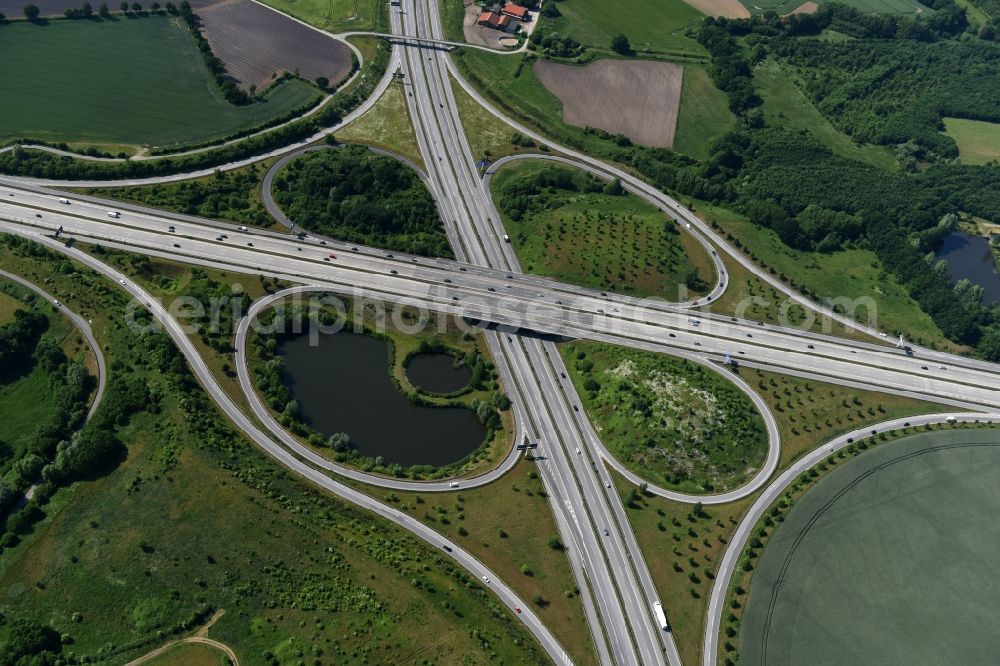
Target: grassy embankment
[
  {"x": 509, "y": 527},
  {"x": 27, "y": 396},
  {"x": 853, "y": 274},
  {"x": 564, "y": 224},
  {"x": 386, "y": 125},
  {"x": 682, "y": 547},
  {"x": 67, "y": 81},
  {"x": 298, "y": 571}
]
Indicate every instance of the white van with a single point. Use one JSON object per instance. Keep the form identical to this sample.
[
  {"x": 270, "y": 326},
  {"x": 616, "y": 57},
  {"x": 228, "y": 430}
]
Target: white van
[
  {"x": 114, "y": 214},
  {"x": 64, "y": 201}
]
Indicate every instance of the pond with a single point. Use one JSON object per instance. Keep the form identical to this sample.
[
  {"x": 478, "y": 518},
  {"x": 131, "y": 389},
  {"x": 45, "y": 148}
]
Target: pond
[
  {"x": 436, "y": 372},
  {"x": 343, "y": 385},
  {"x": 969, "y": 257}
]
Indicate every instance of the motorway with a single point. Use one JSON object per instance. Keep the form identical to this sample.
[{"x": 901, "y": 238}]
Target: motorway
[
  {"x": 486, "y": 284},
  {"x": 518, "y": 301},
  {"x": 199, "y": 368}
]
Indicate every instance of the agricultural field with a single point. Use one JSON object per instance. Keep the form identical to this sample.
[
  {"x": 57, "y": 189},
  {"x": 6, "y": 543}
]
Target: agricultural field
[
  {"x": 863, "y": 550},
  {"x": 978, "y": 141},
  {"x": 786, "y": 106},
  {"x": 386, "y": 125},
  {"x": 570, "y": 226},
  {"x": 334, "y": 582},
  {"x": 595, "y": 95},
  {"x": 672, "y": 422},
  {"x": 703, "y": 115},
  {"x": 781, "y": 7},
  {"x": 336, "y": 15},
  {"x": 13, "y": 9},
  {"x": 651, "y": 27},
  {"x": 66, "y": 81},
  {"x": 257, "y": 44}
]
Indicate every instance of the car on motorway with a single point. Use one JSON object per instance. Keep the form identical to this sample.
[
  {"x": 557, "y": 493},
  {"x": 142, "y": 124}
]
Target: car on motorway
[
  {"x": 486, "y": 579},
  {"x": 177, "y": 244},
  {"x": 243, "y": 228},
  {"x": 249, "y": 244},
  {"x": 56, "y": 302},
  {"x": 517, "y": 609},
  {"x": 453, "y": 484},
  {"x": 447, "y": 280},
  {"x": 393, "y": 271},
  {"x": 171, "y": 229},
  {"x": 607, "y": 484},
  {"x": 606, "y": 533},
  {"x": 923, "y": 367},
  {"x": 114, "y": 214},
  {"x": 218, "y": 238},
  {"x": 490, "y": 289},
  {"x": 64, "y": 201},
  {"x": 333, "y": 256},
  {"x": 38, "y": 214},
  {"x": 578, "y": 450},
  {"x": 447, "y": 549},
  {"x": 121, "y": 282},
  {"x": 506, "y": 238}
]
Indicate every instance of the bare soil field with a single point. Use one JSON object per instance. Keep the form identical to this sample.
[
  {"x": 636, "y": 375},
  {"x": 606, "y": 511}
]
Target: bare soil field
[
  {"x": 637, "y": 98},
  {"x": 805, "y": 8},
  {"x": 257, "y": 43},
  {"x": 724, "y": 8}
]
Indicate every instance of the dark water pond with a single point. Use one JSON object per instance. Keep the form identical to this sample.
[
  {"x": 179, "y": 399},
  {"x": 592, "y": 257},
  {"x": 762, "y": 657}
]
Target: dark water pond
[
  {"x": 436, "y": 372},
  {"x": 343, "y": 385},
  {"x": 970, "y": 257}
]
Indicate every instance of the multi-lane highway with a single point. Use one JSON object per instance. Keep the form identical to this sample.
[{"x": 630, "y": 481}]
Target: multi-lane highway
[{"x": 486, "y": 284}]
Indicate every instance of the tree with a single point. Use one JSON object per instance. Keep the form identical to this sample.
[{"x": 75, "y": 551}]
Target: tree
[
  {"x": 31, "y": 12},
  {"x": 87, "y": 11},
  {"x": 136, "y": 7},
  {"x": 620, "y": 44},
  {"x": 104, "y": 11},
  {"x": 124, "y": 6}
]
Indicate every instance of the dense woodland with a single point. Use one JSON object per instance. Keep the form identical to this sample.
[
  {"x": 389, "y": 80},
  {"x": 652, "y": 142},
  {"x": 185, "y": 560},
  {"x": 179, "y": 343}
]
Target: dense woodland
[
  {"x": 892, "y": 84},
  {"x": 353, "y": 194}
]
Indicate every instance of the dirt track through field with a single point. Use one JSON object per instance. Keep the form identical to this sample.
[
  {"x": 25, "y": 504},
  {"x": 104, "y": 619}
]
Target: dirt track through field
[
  {"x": 255, "y": 42},
  {"x": 637, "y": 98}
]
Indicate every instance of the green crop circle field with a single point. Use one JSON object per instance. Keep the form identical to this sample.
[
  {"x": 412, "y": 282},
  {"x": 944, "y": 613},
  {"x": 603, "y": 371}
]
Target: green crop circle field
[{"x": 890, "y": 559}]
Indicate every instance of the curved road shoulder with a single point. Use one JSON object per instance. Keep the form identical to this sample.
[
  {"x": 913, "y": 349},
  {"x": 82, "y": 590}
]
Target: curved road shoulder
[
  {"x": 239, "y": 420},
  {"x": 83, "y": 326}
]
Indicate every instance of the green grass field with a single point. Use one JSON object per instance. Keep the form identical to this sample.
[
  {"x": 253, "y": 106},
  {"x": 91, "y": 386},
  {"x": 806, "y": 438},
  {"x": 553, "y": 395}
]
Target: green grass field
[
  {"x": 508, "y": 526},
  {"x": 335, "y": 15},
  {"x": 670, "y": 421},
  {"x": 785, "y": 105},
  {"x": 386, "y": 125},
  {"x": 808, "y": 413},
  {"x": 865, "y": 6},
  {"x": 604, "y": 241},
  {"x": 189, "y": 654},
  {"x": 297, "y": 571},
  {"x": 978, "y": 141},
  {"x": 654, "y": 26},
  {"x": 126, "y": 81},
  {"x": 704, "y": 113},
  {"x": 888, "y": 559},
  {"x": 854, "y": 274}
]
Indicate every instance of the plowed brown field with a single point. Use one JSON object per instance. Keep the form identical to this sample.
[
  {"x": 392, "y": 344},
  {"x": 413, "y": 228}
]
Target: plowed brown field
[
  {"x": 637, "y": 98},
  {"x": 255, "y": 42}
]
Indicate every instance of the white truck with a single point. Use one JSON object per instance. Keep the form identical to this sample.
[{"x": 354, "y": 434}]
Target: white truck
[{"x": 660, "y": 617}]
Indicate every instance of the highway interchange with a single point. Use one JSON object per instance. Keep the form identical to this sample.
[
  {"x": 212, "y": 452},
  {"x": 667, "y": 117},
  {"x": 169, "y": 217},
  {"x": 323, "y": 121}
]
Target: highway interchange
[{"x": 485, "y": 283}]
